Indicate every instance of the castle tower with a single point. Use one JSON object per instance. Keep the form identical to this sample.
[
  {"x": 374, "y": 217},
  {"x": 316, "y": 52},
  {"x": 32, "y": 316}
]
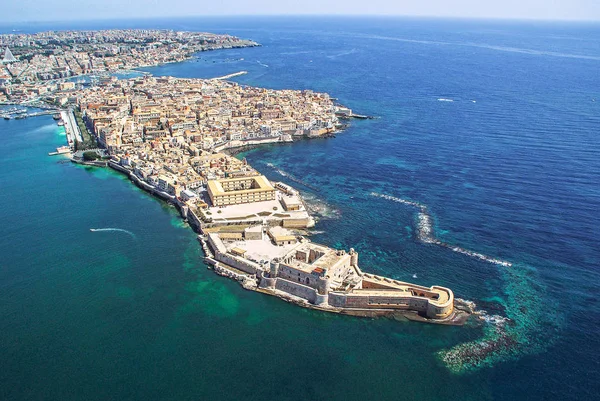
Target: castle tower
[
  {"x": 8, "y": 57},
  {"x": 274, "y": 271},
  {"x": 353, "y": 257}
]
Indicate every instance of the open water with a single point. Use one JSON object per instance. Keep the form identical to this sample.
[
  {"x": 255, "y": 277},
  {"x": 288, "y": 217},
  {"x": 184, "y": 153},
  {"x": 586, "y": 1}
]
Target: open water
[{"x": 492, "y": 126}]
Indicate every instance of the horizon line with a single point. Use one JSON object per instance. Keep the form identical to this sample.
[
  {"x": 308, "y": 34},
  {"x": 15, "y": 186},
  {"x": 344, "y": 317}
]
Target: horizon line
[{"x": 307, "y": 15}]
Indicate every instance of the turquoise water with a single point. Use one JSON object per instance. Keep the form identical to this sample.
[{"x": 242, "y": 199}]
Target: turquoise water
[{"x": 509, "y": 169}]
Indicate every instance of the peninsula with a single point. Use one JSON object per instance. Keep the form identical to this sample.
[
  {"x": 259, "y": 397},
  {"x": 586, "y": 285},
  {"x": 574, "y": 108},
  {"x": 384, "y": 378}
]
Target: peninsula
[{"x": 169, "y": 136}]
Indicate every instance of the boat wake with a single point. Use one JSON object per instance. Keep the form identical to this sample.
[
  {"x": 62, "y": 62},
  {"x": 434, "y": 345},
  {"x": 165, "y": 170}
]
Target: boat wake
[
  {"x": 292, "y": 178},
  {"x": 426, "y": 235},
  {"x": 263, "y": 64},
  {"x": 114, "y": 229},
  {"x": 344, "y": 53}
]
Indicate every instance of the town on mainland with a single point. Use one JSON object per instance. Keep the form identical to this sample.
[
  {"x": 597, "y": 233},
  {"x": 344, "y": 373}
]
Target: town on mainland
[{"x": 173, "y": 138}]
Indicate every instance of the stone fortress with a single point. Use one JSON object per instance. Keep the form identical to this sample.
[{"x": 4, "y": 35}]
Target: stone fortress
[{"x": 275, "y": 260}]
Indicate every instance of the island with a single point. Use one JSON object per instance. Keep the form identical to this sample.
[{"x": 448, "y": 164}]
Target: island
[{"x": 173, "y": 138}]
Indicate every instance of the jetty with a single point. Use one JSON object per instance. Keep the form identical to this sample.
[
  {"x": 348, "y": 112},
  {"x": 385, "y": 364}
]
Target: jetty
[
  {"x": 61, "y": 150},
  {"x": 19, "y": 114}
]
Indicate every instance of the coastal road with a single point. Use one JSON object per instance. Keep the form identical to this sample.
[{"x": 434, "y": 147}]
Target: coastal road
[{"x": 71, "y": 126}]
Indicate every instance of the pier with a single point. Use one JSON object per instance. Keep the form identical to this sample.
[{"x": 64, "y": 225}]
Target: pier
[{"x": 23, "y": 113}]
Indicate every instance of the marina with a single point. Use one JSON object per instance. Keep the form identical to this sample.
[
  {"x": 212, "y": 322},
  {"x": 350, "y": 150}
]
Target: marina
[{"x": 18, "y": 113}]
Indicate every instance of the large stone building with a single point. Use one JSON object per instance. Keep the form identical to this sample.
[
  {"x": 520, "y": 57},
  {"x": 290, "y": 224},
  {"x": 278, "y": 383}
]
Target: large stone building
[
  {"x": 327, "y": 278},
  {"x": 235, "y": 191}
]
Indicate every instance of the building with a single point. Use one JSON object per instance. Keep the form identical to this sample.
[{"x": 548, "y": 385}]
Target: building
[
  {"x": 327, "y": 278},
  {"x": 281, "y": 236},
  {"x": 235, "y": 191},
  {"x": 8, "y": 57}
]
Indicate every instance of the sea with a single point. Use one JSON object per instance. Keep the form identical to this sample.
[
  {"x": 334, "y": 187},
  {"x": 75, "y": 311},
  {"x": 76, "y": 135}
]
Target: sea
[{"x": 492, "y": 125}]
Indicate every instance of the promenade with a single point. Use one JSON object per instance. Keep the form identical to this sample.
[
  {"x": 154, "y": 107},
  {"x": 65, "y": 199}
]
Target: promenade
[{"x": 71, "y": 127}]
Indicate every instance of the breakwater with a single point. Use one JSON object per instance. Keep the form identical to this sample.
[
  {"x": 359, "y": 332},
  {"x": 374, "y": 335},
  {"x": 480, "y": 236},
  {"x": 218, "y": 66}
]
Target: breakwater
[{"x": 426, "y": 234}]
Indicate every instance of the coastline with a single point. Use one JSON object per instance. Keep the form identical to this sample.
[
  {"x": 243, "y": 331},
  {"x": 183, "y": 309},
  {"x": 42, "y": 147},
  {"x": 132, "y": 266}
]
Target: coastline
[
  {"x": 460, "y": 313},
  {"x": 510, "y": 176},
  {"x": 269, "y": 116}
]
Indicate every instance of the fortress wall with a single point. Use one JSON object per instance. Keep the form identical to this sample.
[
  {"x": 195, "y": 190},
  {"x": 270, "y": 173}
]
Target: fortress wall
[
  {"x": 299, "y": 290},
  {"x": 371, "y": 284},
  {"x": 193, "y": 219},
  {"x": 221, "y": 255},
  {"x": 298, "y": 276},
  {"x": 356, "y": 300},
  {"x": 441, "y": 310},
  {"x": 223, "y": 271},
  {"x": 237, "y": 262},
  {"x": 337, "y": 299},
  {"x": 296, "y": 223},
  {"x": 216, "y": 244}
]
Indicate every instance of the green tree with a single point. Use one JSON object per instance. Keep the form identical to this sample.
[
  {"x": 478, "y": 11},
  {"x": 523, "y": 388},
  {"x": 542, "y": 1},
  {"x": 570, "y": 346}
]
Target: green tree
[{"x": 90, "y": 156}]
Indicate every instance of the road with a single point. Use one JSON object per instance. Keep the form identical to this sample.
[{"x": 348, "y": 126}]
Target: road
[{"x": 71, "y": 127}]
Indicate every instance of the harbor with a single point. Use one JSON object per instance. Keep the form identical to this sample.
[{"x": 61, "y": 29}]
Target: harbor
[{"x": 17, "y": 113}]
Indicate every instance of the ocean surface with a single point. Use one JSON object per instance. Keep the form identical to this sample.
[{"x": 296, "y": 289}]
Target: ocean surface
[{"x": 494, "y": 126}]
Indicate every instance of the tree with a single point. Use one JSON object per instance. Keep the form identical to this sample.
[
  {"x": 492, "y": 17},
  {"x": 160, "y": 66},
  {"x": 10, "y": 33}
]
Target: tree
[{"x": 90, "y": 156}]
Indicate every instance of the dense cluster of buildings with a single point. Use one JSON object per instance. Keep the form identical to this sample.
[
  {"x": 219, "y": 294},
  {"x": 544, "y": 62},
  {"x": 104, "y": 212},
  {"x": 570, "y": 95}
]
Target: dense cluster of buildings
[
  {"x": 169, "y": 136},
  {"x": 34, "y": 63},
  {"x": 195, "y": 115}
]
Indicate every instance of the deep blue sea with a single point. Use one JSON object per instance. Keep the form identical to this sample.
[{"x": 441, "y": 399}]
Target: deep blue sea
[{"x": 493, "y": 125}]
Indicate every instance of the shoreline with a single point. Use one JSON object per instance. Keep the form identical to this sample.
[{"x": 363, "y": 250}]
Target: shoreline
[
  {"x": 380, "y": 296},
  {"x": 458, "y": 316},
  {"x": 327, "y": 279}
]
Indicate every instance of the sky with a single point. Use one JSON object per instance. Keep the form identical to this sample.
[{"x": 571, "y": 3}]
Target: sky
[{"x": 65, "y": 10}]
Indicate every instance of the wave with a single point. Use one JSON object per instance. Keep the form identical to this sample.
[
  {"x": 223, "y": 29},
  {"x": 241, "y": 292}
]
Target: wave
[
  {"x": 263, "y": 64},
  {"x": 115, "y": 230},
  {"x": 426, "y": 234},
  {"x": 298, "y": 52},
  {"x": 531, "y": 323},
  {"x": 443, "y": 99},
  {"x": 345, "y": 53},
  {"x": 508, "y": 49},
  {"x": 319, "y": 208},
  {"x": 530, "y": 326},
  {"x": 291, "y": 177}
]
